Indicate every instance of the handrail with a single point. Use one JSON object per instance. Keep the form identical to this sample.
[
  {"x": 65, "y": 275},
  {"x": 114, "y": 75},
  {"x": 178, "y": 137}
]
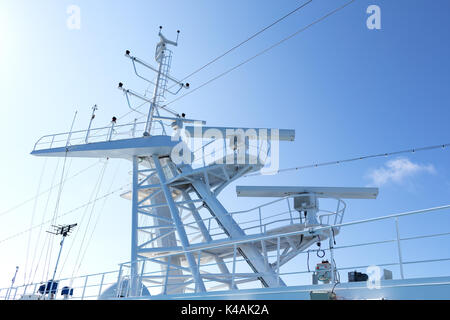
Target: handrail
[
  {"x": 243, "y": 277},
  {"x": 312, "y": 230},
  {"x": 92, "y": 135},
  {"x": 339, "y": 212}
]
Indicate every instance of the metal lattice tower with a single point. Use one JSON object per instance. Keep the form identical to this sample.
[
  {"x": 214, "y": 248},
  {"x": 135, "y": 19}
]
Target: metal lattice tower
[{"x": 175, "y": 209}]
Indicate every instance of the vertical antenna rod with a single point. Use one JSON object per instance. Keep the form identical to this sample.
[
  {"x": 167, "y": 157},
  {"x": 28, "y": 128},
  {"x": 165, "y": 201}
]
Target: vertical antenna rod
[
  {"x": 161, "y": 82},
  {"x": 94, "y": 108},
  {"x": 163, "y": 57},
  {"x": 64, "y": 231},
  {"x": 12, "y": 283}
]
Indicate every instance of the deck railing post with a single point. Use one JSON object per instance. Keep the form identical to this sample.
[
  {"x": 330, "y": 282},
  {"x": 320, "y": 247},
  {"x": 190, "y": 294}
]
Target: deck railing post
[
  {"x": 119, "y": 281},
  {"x": 400, "y": 260},
  {"x": 278, "y": 260},
  {"x": 111, "y": 130},
  {"x": 84, "y": 287},
  {"x": 71, "y": 129},
  {"x": 133, "y": 131},
  {"x": 260, "y": 220},
  {"x": 333, "y": 266},
  {"x": 337, "y": 212},
  {"x": 234, "y": 265},
  {"x": 101, "y": 285},
  {"x": 130, "y": 281},
  {"x": 203, "y": 155},
  {"x": 51, "y": 143},
  {"x": 290, "y": 212}
]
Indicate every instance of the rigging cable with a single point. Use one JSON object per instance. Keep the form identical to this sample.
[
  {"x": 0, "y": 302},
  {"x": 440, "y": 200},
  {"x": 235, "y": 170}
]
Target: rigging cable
[
  {"x": 229, "y": 51},
  {"x": 372, "y": 156},
  {"x": 314, "y": 165},
  {"x": 245, "y": 41},
  {"x": 47, "y": 190},
  {"x": 97, "y": 220},
  {"x": 94, "y": 195},
  {"x": 55, "y": 213},
  {"x": 65, "y": 214},
  {"x": 253, "y": 57},
  {"x": 387, "y": 154},
  {"x": 263, "y": 51},
  {"x": 52, "y": 221},
  {"x": 40, "y": 229},
  {"x": 32, "y": 221}
]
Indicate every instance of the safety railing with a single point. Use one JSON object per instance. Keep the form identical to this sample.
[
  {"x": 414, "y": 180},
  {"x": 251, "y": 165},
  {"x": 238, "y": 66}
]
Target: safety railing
[
  {"x": 155, "y": 281},
  {"x": 203, "y": 156},
  {"x": 257, "y": 220},
  {"x": 221, "y": 151},
  {"x": 266, "y": 217},
  {"x": 85, "y": 287},
  {"x": 219, "y": 280},
  {"x": 108, "y": 133}
]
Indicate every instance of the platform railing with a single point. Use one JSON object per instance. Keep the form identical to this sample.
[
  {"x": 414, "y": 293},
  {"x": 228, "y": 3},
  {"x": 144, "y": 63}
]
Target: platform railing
[
  {"x": 90, "y": 286},
  {"x": 86, "y": 287},
  {"x": 252, "y": 277},
  {"x": 102, "y": 134},
  {"x": 113, "y": 132},
  {"x": 262, "y": 218},
  {"x": 255, "y": 154}
]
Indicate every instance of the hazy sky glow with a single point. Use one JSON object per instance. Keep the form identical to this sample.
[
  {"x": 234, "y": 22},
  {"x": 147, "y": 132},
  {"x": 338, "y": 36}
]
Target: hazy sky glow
[{"x": 345, "y": 89}]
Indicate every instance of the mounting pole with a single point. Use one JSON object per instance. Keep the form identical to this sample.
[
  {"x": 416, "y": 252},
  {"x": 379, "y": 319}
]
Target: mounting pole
[
  {"x": 94, "y": 108},
  {"x": 160, "y": 57},
  {"x": 134, "y": 228},
  {"x": 64, "y": 231},
  {"x": 148, "y": 125},
  {"x": 71, "y": 129},
  {"x": 12, "y": 283}
]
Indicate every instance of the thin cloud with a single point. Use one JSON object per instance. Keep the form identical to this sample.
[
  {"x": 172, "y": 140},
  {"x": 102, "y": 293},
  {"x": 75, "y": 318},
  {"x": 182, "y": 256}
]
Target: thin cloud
[{"x": 397, "y": 171}]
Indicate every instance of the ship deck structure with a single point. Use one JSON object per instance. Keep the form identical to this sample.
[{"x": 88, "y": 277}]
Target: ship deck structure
[{"x": 186, "y": 245}]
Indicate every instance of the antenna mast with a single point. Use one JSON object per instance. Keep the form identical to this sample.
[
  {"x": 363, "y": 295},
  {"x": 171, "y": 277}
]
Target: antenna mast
[
  {"x": 163, "y": 57},
  {"x": 12, "y": 283},
  {"x": 63, "y": 230}
]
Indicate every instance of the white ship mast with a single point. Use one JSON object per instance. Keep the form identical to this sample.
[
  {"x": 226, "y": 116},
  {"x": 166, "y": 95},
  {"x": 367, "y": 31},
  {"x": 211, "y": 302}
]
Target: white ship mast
[{"x": 171, "y": 199}]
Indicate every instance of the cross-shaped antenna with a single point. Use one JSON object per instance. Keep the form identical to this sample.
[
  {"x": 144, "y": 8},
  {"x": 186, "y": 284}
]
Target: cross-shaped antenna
[
  {"x": 167, "y": 41},
  {"x": 63, "y": 230}
]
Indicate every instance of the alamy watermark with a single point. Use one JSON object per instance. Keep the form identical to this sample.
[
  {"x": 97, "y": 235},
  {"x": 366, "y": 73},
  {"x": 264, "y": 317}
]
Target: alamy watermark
[
  {"x": 373, "y": 22},
  {"x": 243, "y": 146},
  {"x": 73, "y": 21}
]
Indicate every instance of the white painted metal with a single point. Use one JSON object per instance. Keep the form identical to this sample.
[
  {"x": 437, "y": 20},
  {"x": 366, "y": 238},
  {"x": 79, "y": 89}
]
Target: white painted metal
[
  {"x": 408, "y": 288},
  {"x": 134, "y": 227},
  {"x": 321, "y": 192},
  {"x": 228, "y": 132},
  {"x": 233, "y": 230},
  {"x": 94, "y": 108},
  {"x": 122, "y": 149},
  {"x": 400, "y": 260},
  {"x": 179, "y": 225}
]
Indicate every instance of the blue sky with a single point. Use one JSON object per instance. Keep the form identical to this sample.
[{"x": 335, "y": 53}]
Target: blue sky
[{"x": 345, "y": 89}]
